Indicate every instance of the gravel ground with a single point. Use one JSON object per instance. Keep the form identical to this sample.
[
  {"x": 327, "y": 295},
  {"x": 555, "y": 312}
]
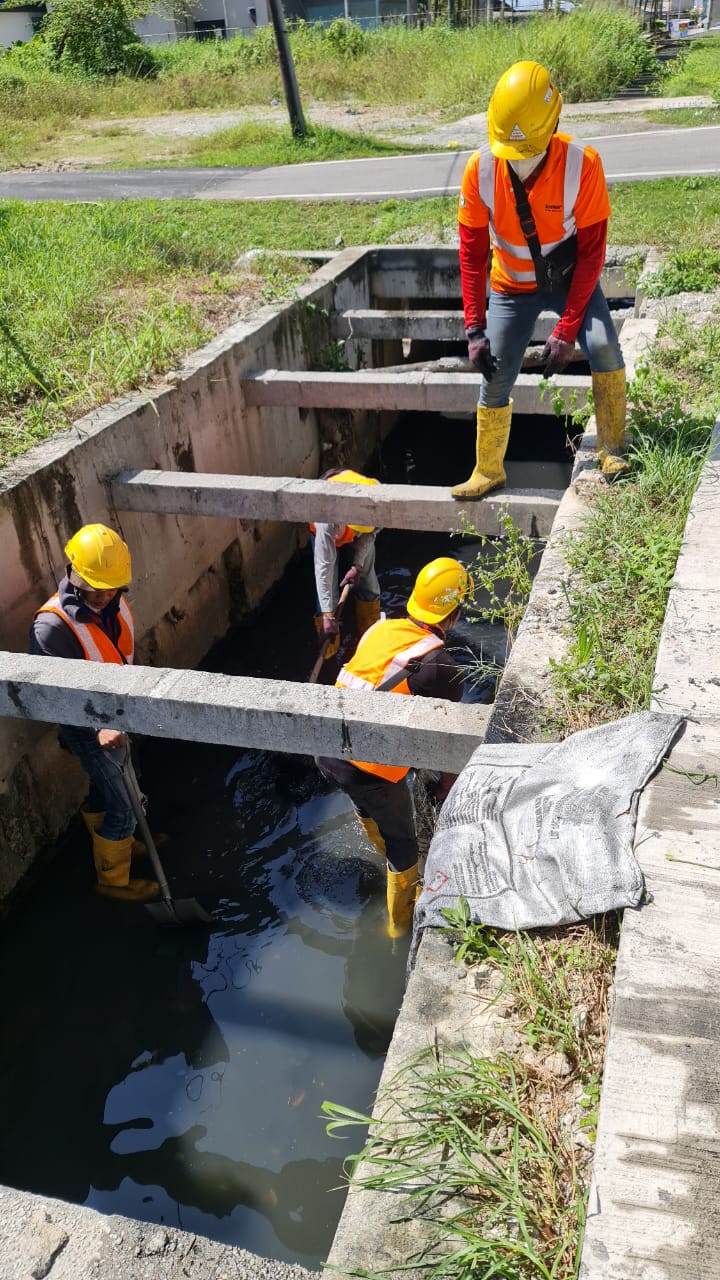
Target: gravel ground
[{"x": 402, "y": 124}]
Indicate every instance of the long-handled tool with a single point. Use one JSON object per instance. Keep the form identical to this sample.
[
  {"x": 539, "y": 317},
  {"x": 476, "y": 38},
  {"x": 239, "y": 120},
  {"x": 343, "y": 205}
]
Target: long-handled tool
[
  {"x": 324, "y": 646},
  {"x": 170, "y": 911}
]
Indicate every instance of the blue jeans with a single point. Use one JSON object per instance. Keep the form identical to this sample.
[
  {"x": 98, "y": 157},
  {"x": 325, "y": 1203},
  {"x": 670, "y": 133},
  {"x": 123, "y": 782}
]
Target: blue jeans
[
  {"x": 107, "y": 790},
  {"x": 510, "y": 322}
]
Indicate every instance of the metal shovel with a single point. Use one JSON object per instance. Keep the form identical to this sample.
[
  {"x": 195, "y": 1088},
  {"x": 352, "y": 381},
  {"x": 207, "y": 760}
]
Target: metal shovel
[{"x": 170, "y": 911}]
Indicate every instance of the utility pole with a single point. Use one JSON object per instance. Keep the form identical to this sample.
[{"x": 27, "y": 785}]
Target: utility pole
[{"x": 287, "y": 70}]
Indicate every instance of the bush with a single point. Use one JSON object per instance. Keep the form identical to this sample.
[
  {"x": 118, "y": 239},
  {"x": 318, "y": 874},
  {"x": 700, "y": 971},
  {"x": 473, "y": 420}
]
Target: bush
[{"x": 96, "y": 38}]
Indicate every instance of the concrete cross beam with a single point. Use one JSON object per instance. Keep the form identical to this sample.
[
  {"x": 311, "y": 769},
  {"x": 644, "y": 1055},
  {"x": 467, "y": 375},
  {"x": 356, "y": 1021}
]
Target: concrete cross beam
[
  {"x": 270, "y": 715},
  {"x": 429, "y": 326},
  {"x": 386, "y": 506},
  {"x": 418, "y": 392},
  {"x": 397, "y": 282}
]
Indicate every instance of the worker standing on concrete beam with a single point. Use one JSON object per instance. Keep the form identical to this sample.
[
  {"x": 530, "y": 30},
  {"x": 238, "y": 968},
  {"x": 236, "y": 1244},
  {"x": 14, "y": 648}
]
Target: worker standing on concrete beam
[
  {"x": 541, "y": 199},
  {"x": 349, "y": 549},
  {"x": 403, "y": 656},
  {"x": 88, "y": 617}
]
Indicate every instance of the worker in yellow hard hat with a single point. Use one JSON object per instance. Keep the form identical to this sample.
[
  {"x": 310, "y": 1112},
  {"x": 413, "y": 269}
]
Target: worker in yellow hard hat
[
  {"x": 402, "y": 656},
  {"x": 347, "y": 550},
  {"x": 88, "y": 617},
  {"x": 539, "y": 197}
]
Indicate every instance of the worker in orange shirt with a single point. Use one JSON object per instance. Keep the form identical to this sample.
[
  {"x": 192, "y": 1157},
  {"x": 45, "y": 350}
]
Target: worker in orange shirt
[
  {"x": 89, "y": 618},
  {"x": 539, "y": 197},
  {"x": 402, "y": 656},
  {"x": 350, "y": 550}
]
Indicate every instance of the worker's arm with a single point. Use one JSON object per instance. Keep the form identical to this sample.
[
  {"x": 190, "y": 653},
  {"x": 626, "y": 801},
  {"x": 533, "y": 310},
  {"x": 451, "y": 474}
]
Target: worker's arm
[
  {"x": 52, "y": 638},
  {"x": 591, "y": 243},
  {"x": 473, "y": 254},
  {"x": 325, "y": 561}
]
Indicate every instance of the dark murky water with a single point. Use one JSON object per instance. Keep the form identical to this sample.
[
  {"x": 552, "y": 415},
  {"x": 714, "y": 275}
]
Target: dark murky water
[{"x": 178, "y": 1076}]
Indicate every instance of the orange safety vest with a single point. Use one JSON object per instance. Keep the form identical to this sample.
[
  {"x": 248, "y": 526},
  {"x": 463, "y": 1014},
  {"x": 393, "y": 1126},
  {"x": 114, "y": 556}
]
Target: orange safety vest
[
  {"x": 384, "y": 651},
  {"x": 346, "y": 534},
  {"x": 94, "y": 642},
  {"x": 569, "y": 192}
]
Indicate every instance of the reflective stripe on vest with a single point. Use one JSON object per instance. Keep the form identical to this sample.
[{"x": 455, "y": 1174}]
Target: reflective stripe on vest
[
  {"x": 513, "y": 262},
  {"x": 384, "y": 652},
  {"x": 94, "y": 642}
]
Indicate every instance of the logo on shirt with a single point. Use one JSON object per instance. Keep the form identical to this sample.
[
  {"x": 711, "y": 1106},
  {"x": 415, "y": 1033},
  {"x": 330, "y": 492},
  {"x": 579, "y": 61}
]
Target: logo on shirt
[
  {"x": 462, "y": 201},
  {"x": 553, "y": 208}
]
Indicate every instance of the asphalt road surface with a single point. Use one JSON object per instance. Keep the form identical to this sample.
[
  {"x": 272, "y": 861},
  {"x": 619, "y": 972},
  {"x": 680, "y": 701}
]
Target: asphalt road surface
[{"x": 627, "y": 157}]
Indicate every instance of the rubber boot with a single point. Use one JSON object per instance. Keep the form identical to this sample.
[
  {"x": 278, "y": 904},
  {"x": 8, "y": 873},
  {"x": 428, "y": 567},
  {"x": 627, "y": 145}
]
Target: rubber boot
[
  {"x": 94, "y": 820},
  {"x": 401, "y": 894},
  {"x": 334, "y": 644},
  {"x": 493, "y": 433},
  {"x": 372, "y": 831},
  {"x": 367, "y": 613},
  {"x": 112, "y": 865},
  {"x": 609, "y": 398}
]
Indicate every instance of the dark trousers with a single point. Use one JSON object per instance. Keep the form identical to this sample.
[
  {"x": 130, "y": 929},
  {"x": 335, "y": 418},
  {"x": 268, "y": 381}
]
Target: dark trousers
[
  {"x": 389, "y": 804},
  {"x": 107, "y": 791}
]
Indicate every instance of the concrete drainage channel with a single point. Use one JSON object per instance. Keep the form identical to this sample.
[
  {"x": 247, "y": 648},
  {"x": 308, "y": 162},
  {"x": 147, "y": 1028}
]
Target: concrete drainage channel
[{"x": 218, "y": 470}]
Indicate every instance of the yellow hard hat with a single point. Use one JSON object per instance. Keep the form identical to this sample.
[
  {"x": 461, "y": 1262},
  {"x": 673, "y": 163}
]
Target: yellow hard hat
[
  {"x": 439, "y": 590},
  {"x": 354, "y": 477},
  {"x": 523, "y": 112},
  {"x": 100, "y": 557}
]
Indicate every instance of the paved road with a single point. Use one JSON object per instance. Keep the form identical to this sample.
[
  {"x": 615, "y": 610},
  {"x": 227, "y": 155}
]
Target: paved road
[{"x": 629, "y": 157}]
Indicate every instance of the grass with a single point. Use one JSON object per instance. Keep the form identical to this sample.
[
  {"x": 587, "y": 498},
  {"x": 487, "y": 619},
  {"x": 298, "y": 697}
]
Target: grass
[
  {"x": 696, "y": 70},
  {"x": 592, "y": 53},
  {"x": 100, "y": 298},
  {"x": 484, "y": 1154},
  {"x": 616, "y": 602}
]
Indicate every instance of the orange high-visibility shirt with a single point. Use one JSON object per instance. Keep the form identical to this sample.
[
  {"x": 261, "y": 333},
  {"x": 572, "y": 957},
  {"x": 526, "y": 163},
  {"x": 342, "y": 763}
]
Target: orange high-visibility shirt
[
  {"x": 384, "y": 651},
  {"x": 570, "y": 192}
]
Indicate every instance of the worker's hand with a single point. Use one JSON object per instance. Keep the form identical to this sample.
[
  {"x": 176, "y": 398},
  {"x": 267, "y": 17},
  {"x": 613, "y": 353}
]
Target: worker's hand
[
  {"x": 479, "y": 352},
  {"x": 111, "y": 739},
  {"x": 329, "y": 626},
  {"x": 558, "y": 354},
  {"x": 352, "y": 577}
]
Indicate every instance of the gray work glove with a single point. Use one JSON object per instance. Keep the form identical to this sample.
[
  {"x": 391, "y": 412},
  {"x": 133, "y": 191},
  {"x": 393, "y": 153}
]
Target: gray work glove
[{"x": 479, "y": 352}]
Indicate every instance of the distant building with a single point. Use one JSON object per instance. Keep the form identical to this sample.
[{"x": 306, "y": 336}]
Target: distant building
[
  {"x": 205, "y": 20},
  {"x": 19, "y": 22}
]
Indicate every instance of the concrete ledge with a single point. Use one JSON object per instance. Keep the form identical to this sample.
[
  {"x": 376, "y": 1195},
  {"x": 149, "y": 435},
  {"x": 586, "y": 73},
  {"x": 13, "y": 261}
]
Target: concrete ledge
[
  {"x": 271, "y": 715},
  {"x": 386, "y": 506},
  {"x": 428, "y": 326},
  {"x": 43, "y": 1237},
  {"x": 402, "y": 392}
]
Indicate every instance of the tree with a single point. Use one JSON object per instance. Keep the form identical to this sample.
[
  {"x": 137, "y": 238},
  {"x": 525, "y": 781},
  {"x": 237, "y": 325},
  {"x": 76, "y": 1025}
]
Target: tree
[{"x": 97, "y": 38}]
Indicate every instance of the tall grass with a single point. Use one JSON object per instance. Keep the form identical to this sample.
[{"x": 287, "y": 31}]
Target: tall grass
[
  {"x": 591, "y": 53},
  {"x": 623, "y": 559},
  {"x": 696, "y": 70}
]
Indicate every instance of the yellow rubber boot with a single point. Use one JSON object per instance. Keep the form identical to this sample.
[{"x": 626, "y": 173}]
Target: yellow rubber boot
[
  {"x": 609, "y": 398},
  {"x": 94, "y": 820},
  {"x": 372, "y": 831},
  {"x": 112, "y": 865},
  {"x": 493, "y": 433},
  {"x": 367, "y": 613},
  {"x": 334, "y": 644},
  {"x": 401, "y": 894}
]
